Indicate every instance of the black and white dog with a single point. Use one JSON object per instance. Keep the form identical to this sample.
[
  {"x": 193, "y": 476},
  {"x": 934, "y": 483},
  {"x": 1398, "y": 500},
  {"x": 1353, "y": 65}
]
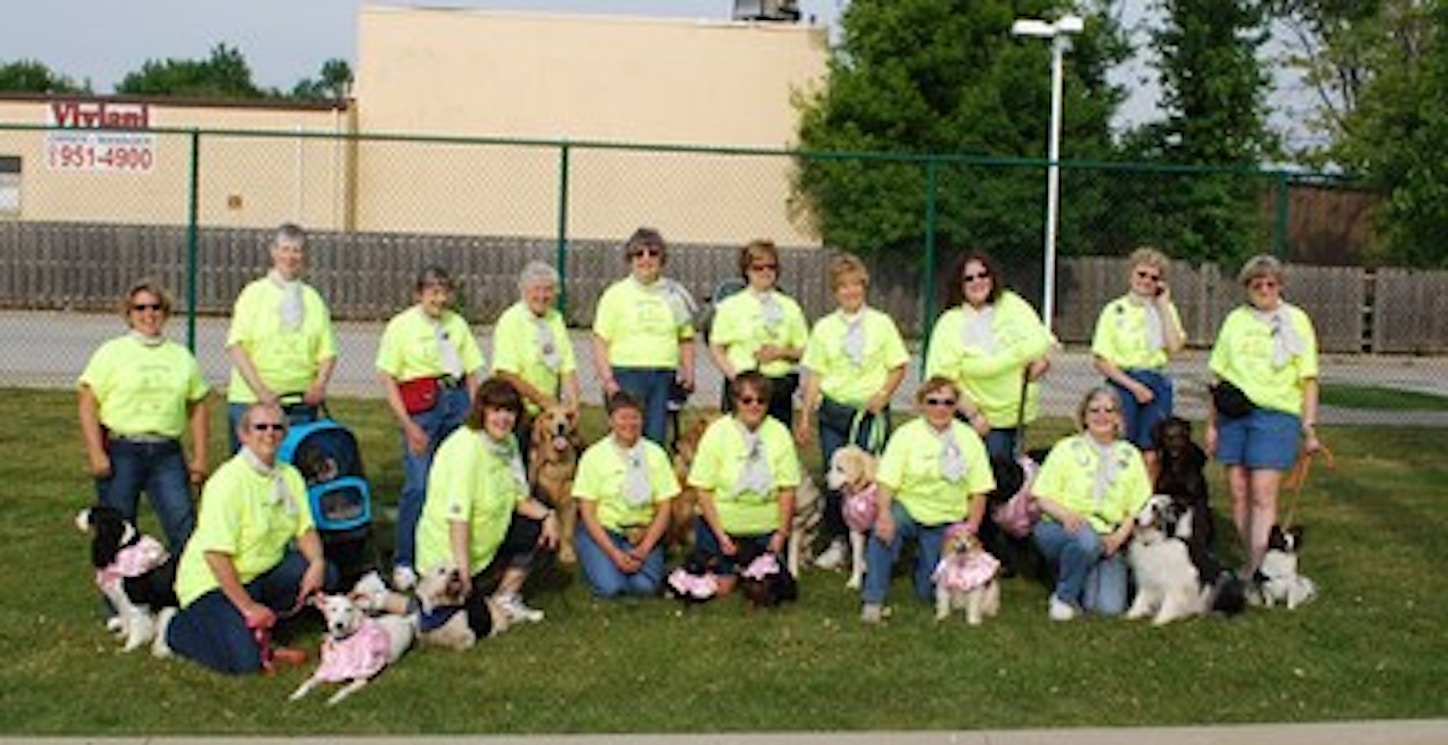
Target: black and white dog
[
  {"x": 1174, "y": 579},
  {"x": 1278, "y": 580},
  {"x": 134, "y": 572}
]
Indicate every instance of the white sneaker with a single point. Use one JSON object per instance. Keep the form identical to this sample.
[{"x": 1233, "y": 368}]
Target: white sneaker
[
  {"x": 833, "y": 557},
  {"x": 872, "y": 614},
  {"x": 404, "y": 578},
  {"x": 1061, "y": 610},
  {"x": 159, "y": 648},
  {"x": 516, "y": 610}
]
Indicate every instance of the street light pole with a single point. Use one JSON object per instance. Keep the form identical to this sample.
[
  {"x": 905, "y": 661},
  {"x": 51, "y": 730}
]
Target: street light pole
[{"x": 1057, "y": 33}]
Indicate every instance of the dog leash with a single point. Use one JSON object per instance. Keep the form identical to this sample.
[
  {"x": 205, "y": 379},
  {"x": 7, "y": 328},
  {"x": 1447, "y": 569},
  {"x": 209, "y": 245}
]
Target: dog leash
[
  {"x": 874, "y": 434},
  {"x": 1296, "y": 479}
]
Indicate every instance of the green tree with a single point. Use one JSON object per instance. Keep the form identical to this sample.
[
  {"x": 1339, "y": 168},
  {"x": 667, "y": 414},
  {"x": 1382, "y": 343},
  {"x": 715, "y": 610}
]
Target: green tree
[
  {"x": 1331, "y": 43},
  {"x": 945, "y": 77},
  {"x": 225, "y": 74},
  {"x": 32, "y": 76},
  {"x": 333, "y": 83}
]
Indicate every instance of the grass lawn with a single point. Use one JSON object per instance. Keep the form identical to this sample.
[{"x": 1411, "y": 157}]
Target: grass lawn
[
  {"x": 1372, "y": 646},
  {"x": 1376, "y": 397}
]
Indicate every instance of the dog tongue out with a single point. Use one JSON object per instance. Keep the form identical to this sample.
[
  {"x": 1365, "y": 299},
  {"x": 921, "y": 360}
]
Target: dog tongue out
[{"x": 560, "y": 443}]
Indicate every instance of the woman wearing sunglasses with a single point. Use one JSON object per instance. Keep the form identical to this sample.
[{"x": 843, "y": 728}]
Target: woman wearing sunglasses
[
  {"x": 138, "y": 393},
  {"x": 746, "y": 470},
  {"x": 643, "y": 333},
  {"x": 1267, "y": 349},
  {"x": 1135, "y": 336},
  {"x": 1089, "y": 489},
  {"x": 760, "y": 328},
  {"x": 934, "y": 474},
  {"x": 985, "y": 343}
]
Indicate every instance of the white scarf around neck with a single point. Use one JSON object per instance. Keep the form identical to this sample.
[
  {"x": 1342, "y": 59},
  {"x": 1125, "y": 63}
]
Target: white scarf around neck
[
  {"x": 756, "y": 475},
  {"x": 281, "y": 493},
  {"x": 1286, "y": 342},
  {"x": 291, "y": 308}
]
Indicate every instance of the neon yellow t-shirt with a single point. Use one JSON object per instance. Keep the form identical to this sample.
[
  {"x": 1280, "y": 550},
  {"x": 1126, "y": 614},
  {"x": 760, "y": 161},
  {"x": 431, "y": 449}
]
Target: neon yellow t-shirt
[
  {"x": 409, "y": 348},
  {"x": 473, "y": 480},
  {"x": 741, "y": 328},
  {"x": 143, "y": 389},
  {"x": 840, "y": 378},
  {"x": 1068, "y": 477},
  {"x": 1243, "y": 354},
  {"x": 720, "y": 460},
  {"x": 600, "y": 479},
  {"x": 910, "y": 467},
  {"x": 287, "y": 361},
  {"x": 1121, "y": 335},
  {"x": 640, "y": 325},
  {"x": 518, "y": 349},
  {"x": 991, "y": 376},
  {"x": 241, "y": 516}
]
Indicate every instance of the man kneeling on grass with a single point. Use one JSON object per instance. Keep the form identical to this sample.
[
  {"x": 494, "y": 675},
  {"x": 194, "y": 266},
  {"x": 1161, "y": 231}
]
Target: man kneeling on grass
[{"x": 255, "y": 554}]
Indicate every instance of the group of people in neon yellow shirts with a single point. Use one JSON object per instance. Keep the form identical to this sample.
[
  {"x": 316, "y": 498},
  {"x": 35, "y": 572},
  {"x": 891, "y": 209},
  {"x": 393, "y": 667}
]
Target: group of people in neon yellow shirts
[{"x": 466, "y": 499}]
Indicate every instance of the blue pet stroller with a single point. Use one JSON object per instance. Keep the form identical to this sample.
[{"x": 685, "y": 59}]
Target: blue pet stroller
[{"x": 341, "y": 500}]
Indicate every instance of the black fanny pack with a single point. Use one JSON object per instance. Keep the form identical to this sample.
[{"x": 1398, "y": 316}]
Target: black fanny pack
[{"x": 1230, "y": 401}]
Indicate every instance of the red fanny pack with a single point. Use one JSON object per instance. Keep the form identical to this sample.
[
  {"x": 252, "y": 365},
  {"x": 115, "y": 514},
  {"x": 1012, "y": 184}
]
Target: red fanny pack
[{"x": 418, "y": 394}]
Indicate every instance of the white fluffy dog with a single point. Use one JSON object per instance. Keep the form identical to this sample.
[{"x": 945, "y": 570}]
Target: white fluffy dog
[
  {"x": 1278, "y": 578},
  {"x": 966, "y": 578},
  {"x": 357, "y": 647},
  {"x": 1168, "y": 586},
  {"x": 852, "y": 474}
]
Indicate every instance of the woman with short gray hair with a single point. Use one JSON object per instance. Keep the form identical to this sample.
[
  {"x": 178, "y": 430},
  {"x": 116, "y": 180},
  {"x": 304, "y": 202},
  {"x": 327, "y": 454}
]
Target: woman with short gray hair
[{"x": 531, "y": 348}]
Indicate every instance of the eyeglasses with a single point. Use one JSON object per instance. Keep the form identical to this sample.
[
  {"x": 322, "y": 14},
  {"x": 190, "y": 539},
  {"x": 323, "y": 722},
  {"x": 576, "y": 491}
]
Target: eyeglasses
[
  {"x": 1144, "y": 274},
  {"x": 763, "y": 267},
  {"x": 645, "y": 250},
  {"x": 1262, "y": 284},
  {"x": 939, "y": 402},
  {"x": 138, "y": 307},
  {"x": 1101, "y": 409},
  {"x": 751, "y": 400},
  {"x": 268, "y": 426},
  {"x": 974, "y": 277}
]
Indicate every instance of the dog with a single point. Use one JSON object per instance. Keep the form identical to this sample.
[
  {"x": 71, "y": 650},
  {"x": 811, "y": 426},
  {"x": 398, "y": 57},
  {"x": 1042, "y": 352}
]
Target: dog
[
  {"x": 552, "y": 465},
  {"x": 966, "y": 578},
  {"x": 1181, "y": 464},
  {"x": 809, "y": 509},
  {"x": 133, "y": 571},
  {"x": 1007, "y": 536},
  {"x": 852, "y": 474},
  {"x": 764, "y": 582},
  {"x": 1171, "y": 584},
  {"x": 447, "y": 618},
  {"x": 684, "y": 507},
  {"x": 696, "y": 581},
  {"x": 357, "y": 647},
  {"x": 1278, "y": 580}
]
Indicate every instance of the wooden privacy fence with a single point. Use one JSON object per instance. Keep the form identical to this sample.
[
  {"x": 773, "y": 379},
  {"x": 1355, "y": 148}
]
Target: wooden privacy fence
[{"x": 369, "y": 276}]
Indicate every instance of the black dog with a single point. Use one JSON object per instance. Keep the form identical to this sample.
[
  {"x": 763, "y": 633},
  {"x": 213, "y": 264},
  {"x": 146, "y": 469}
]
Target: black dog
[
  {"x": 134, "y": 572},
  {"x": 1181, "y": 477},
  {"x": 1015, "y": 554},
  {"x": 764, "y": 579},
  {"x": 1228, "y": 591}
]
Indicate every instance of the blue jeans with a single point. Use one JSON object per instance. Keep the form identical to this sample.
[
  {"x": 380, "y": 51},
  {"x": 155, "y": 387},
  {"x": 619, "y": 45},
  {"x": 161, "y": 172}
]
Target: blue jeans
[
  {"x": 1141, "y": 418},
  {"x": 835, "y": 420},
  {"x": 1084, "y": 577},
  {"x": 607, "y": 580},
  {"x": 708, "y": 544},
  {"x": 438, "y": 422},
  {"x": 160, "y": 469},
  {"x": 880, "y": 557},
  {"x": 651, "y": 386},
  {"x": 212, "y": 632},
  {"x": 295, "y": 413},
  {"x": 1001, "y": 443}
]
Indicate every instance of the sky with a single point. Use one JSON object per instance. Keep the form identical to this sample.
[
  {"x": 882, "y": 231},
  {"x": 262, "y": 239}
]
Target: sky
[{"x": 285, "y": 41}]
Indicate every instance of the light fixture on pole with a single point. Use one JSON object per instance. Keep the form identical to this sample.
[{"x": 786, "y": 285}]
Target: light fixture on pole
[{"x": 1057, "y": 32}]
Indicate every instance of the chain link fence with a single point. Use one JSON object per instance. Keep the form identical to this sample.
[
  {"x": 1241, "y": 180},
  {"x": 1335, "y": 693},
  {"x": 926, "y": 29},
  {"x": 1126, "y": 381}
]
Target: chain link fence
[{"x": 199, "y": 214}]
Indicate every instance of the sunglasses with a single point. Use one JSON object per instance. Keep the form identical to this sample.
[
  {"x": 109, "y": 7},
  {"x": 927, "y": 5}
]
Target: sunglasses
[
  {"x": 138, "y": 307},
  {"x": 269, "y": 427},
  {"x": 1153, "y": 276},
  {"x": 645, "y": 251},
  {"x": 763, "y": 267},
  {"x": 977, "y": 276},
  {"x": 939, "y": 402},
  {"x": 751, "y": 400}
]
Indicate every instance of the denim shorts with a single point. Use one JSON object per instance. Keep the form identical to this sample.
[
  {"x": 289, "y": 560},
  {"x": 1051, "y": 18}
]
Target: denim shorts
[{"x": 1262, "y": 439}]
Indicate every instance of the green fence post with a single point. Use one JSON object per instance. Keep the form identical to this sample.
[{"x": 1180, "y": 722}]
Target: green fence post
[
  {"x": 932, "y": 187},
  {"x": 193, "y": 197},
  {"x": 561, "y": 255},
  {"x": 1282, "y": 214}
]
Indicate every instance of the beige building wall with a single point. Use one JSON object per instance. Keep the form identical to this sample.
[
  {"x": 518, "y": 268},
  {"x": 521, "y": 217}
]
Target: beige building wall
[
  {"x": 245, "y": 181},
  {"x": 579, "y": 78}
]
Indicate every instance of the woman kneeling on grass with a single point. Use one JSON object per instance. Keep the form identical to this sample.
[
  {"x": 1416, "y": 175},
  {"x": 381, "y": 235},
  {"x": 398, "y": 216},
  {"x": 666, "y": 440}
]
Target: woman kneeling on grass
[
  {"x": 1090, "y": 487},
  {"x": 624, "y": 485},
  {"x": 746, "y": 471},
  {"x": 934, "y": 473}
]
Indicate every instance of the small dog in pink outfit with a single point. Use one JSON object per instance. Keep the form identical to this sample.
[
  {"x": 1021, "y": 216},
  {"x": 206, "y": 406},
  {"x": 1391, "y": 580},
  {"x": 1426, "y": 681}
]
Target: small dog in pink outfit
[
  {"x": 966, "y": 577},
  {"x": 357, "y": 647}
]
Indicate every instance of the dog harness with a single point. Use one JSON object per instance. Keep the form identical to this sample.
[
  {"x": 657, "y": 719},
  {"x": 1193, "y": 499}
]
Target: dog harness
[
  {"x": 965, "y": 571},
  {"x": 132, "y": 561},
  {"x": 361, "y": 655},
  {"x": 763, "y": 566},
  {"x": 861, "y": 509}
]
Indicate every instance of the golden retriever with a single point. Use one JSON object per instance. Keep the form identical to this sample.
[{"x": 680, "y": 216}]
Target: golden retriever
[
  {"x": 685, "y": 506},
  {"x": 552, "y": 465}
]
